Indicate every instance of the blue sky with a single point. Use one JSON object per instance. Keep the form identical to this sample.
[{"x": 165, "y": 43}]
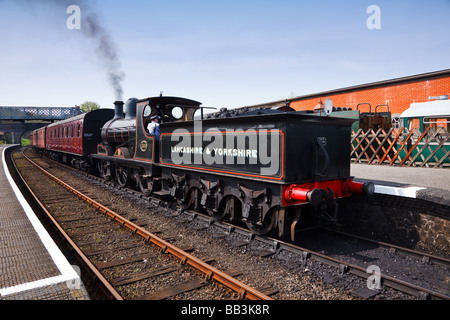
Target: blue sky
[{"x": 222, "y": 53}]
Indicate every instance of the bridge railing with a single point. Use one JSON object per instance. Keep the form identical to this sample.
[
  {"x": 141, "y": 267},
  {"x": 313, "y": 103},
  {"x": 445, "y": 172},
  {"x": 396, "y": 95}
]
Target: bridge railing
[{"x": 38, "y": 113}]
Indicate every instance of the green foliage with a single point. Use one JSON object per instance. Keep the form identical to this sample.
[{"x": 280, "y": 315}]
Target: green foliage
[
  {"x": 6, "y": 138},
  {"x": 89, "y": 106},
  {"x": 25, "y": 142}
]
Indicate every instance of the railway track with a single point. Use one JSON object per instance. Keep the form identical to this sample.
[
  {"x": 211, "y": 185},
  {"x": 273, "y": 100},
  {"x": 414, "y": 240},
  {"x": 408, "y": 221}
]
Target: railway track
[
  {"x": 109, "y": 243},
  {"x": 415, "y": 273},
  {"x": 381, "y": 265},
  {"x": 300, "y": 259}
]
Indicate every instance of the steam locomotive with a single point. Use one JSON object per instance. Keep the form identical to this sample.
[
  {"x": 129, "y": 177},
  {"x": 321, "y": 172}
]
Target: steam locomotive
[{"x": 271, "y": 169}]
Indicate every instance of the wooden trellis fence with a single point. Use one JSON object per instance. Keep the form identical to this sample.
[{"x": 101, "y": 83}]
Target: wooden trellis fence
[{"x": 402, "y": 147}]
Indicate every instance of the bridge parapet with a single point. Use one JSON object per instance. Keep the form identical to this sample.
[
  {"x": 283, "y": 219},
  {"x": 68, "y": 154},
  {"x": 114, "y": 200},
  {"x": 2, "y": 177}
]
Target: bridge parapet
[{"x": 38, "y": 113}]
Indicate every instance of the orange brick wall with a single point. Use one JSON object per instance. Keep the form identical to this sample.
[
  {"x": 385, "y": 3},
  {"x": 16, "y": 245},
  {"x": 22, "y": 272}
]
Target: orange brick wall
[{"x": 397, "y": 96}]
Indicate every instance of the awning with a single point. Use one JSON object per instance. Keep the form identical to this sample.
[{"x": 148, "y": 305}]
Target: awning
[{"x": 439, "y": 108}]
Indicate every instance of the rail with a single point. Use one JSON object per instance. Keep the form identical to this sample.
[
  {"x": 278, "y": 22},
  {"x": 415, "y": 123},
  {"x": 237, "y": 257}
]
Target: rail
[
  {"x": 105, "y": 286},
  {"x": 211, "y": 273}
]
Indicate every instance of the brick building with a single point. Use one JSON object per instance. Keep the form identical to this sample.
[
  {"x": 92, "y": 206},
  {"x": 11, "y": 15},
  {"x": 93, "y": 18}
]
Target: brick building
[{"x": 398, "y": 93}]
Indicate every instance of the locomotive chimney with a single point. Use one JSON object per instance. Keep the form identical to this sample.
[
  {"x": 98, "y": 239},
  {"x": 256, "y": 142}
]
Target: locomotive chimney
[{"x": 118, "y": 109}]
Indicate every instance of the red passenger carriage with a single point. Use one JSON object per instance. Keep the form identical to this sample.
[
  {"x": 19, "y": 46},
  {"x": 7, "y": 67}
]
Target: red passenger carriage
[
  {"x": 72, "y": 140},
  {"x": 66, "y": 136},
  {"x": 38, "y": 138}
]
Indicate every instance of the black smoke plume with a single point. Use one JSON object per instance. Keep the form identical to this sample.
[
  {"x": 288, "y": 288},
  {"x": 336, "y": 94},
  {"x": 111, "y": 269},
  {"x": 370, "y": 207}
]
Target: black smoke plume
[
  {"x": 105, "y": 49},
  {"x": 93, "y": 29}
]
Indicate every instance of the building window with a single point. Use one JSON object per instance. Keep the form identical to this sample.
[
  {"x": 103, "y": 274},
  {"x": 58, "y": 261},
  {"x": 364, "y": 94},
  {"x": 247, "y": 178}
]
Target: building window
[{"x": 396, "y": 123}]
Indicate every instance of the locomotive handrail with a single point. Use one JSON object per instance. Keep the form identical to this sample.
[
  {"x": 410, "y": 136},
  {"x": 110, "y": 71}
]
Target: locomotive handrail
[{"x": 320, "y": 144}]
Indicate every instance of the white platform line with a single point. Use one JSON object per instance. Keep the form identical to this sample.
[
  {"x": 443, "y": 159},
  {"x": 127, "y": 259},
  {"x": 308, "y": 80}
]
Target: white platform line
[
  {"x": 409, "y": 192},
  {"x": 40, "y": 283},
  {"x": 68, "y": 273}
]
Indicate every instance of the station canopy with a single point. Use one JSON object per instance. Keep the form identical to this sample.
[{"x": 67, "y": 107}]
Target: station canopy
[{"x": 438, "y": 108}]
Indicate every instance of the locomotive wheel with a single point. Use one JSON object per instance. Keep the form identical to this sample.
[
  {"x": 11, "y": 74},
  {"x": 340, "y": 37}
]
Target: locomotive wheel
[
  {"x": 104, "y": 168},
  {"x": 145, "y": 184},
  {"x": 229, "y": 208},
  {"x": 122, "y": 176},
  {"x": 192, "y": 200},
  {"x": 267, "y": 225}
]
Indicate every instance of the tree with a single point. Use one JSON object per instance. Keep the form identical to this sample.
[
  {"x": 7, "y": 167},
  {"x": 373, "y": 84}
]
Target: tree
[{"x": 89, "y": 106}]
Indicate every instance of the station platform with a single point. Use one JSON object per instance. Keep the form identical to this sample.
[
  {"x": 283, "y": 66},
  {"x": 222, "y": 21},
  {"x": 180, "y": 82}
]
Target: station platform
[
  {"x": 32, "y": 267},
  {"x": 428, "y": 184}
]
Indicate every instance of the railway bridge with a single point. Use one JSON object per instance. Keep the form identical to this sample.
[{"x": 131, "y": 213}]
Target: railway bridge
[{"x": 15, "y": 121}]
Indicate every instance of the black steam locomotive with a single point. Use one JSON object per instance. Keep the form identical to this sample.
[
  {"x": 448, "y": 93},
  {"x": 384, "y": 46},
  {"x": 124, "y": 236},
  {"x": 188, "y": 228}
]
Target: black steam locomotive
[{"x": 268, "y": 168}]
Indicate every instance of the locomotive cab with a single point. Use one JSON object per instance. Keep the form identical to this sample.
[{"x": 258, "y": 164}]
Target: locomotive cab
[{"x": 168, "y": 109}]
